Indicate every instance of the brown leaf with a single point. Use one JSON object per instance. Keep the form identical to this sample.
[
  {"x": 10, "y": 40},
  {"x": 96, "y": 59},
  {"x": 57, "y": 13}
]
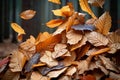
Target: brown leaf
[
  {"x": 98, "y": 3},
  {"x": 97, "y": 39},
  {"x": 103, "y": 24},
  {"x": 47, "y": 58},
  {"x": 33, "y": 60},
  {"x": 73, "y": 37},
  {"x": 88, "y": 77},
  {"x": 114, "y": 47},
  {"x": 109, "y": 64},
  {"x": 85, "y": 7},
  {"x": 79, "y": 44},
  {"x": 65, "y": 78},
  {"x": 9, "y": 75},
  {"x": 17, "y": 61},
  {"x": 54, "y": 74},
  {"x": 38, "y": 76},
  {"x": 59, "y": 50},
  {"x": 90, "y": 21},
  {"x": 54, "y": 23},
  {"x": 114, "y": 76},
  {"x": 27, "y": 14},
  {"x": 69, "y": 59},
  {"x": 43, "y": 45},
  {"x": 70, "y": 71},
  {"x": 55, "y": 1}
]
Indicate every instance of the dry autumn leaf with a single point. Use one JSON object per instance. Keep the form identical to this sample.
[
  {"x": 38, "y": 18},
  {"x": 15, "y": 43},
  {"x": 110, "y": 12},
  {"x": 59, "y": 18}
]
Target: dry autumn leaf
[
  {"x": 47, "y": 58},
  {"x": 85, "y": 7},
  {"x": 51, "y": 40},
  {"x": 27, "y": 14},
  {"x": 70, "y": 71},
  {"x": 33, "y": 60},
  {"x": 17, "y": 28},
  {"x": 55, "y": 1},
  {"x": 98, "y": 3},
  {"x": 54, "y": 23},
  {"x": 17, "y": 61},
  {"x": 54, "y": 74},
  {"x": 103, "y": 24},
  {"x": 59, "y": 50},
  {"x": 73, "y": 37},
  {"x": 97, "y": 39},
  {"x": 88, "y": 77},
  {"x": 37, "y": 76}
]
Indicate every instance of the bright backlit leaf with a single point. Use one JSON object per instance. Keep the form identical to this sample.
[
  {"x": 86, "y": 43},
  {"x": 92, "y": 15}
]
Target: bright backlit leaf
[{"x": 55, "y": 1}]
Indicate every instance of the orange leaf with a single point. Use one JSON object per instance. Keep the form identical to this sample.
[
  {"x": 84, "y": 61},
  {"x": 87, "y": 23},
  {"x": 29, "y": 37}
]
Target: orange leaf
[
  {"x": 84, "y": 6},
  {"x": 43, "y": 45},
  {"x": 17, "y": 28},
  {"x": 88, "y": 77},
  {"x": 54, "y": 23},
  {"x": 103, "y": 50},
  {"x": 28, "y": 14},
  {"x": 55, "y": 1}
]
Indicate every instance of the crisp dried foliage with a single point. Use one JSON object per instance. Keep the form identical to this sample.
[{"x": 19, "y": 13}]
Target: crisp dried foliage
[
  {"x": 27, "y": 14},
  {"x": 97, "y": 2},
  {"x": 77, "y": 50}
]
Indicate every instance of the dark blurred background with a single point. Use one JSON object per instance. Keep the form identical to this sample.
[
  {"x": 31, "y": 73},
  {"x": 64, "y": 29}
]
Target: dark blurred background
[{"x": 10, "y": 10}]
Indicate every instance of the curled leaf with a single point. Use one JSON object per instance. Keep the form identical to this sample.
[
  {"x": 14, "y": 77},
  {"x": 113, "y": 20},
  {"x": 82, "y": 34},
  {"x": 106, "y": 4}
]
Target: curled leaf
[
  {"x": 54, "y": 23},
  {"x": 33, "y": 60},
  {"x": 27, "y": 14},
  {"x": 17, "y": 28}
]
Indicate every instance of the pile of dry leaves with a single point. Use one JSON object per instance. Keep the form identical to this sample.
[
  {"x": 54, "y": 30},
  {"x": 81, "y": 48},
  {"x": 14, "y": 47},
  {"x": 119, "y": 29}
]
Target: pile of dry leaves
[{"x": 79, "y": 49}]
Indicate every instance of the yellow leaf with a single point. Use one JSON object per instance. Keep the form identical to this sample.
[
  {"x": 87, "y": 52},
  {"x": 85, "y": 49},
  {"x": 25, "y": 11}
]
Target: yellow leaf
[
  {"x": 28, "y": 14},
  {"x": 17, "y": 28},
  {"x": 85, "y": 6},
  {"x": 54, "y": 23},
  {"x": 98, "y": 3},
  {"x": 55, "y": 1},
  {"x": 103, "y": 24}
]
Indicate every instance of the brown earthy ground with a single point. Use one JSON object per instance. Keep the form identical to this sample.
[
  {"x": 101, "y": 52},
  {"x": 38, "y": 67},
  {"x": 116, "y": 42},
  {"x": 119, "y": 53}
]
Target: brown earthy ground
[{"x": 6, "y": 47}]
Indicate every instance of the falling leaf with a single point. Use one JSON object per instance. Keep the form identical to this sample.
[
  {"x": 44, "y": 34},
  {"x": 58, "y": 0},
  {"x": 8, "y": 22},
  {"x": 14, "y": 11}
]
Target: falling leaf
[
  {"x": 55, "y": 1},
  {"x": 64, "y": 11},
  {"x": 33, "y": 60},
  {"x": 17, "y": 61},
  {"x": 109, "y": 64},
  {"x": 98, "y": 3},
  {"x": 46, "y": 70},
  {"x": 47, "y": 58},
  {"x": 27, "y": 14},
  {"x": 73, "y": 37},
  {"x": 70, "y": 71},
  {"x": 54, "y": 74},
  {"x": 97, "y": 39},
  {"x": 83, "y": 27},
  {"x": 17, "y": 28},
  {"x": 38, "y": 76},
  {"x": 54, "y": 23},
  {"x": 85, "y": 7},
  {"x": 59, "y": 50},
  {"x": 103, "y": 24},
  {"x": 43, "y": 45}
]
